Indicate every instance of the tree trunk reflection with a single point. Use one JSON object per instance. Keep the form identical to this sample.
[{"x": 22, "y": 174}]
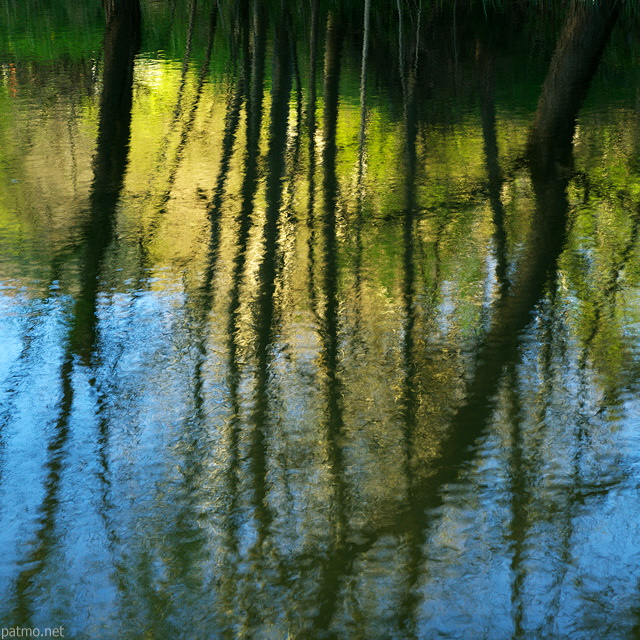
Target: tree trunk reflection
[{"x": 121, "y": 41}]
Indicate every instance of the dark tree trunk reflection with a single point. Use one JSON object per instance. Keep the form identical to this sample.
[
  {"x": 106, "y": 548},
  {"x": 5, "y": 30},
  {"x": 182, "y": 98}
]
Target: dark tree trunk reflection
[
  {"x": 580, "y": 46},
  {"x": 121, "y": 41},
  {"x": 123, "y": 11},
  {"x": 337, "y": 563},
  {"x": 252, "y": 27},
  {"x": 494, "y": 174},
  {"x": 410, "y": 395},
  {"x": 265, "y": 303}
]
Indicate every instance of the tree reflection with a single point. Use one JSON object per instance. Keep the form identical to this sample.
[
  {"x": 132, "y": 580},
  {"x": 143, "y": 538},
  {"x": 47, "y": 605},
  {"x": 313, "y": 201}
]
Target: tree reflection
[
  {"x": 252, "y": 27},
  {"x": 268, "y": 273},
  {"x": 121, "y": 42},
  {"x": 494, "y": 174},
  {"x": 337, "y": 561},
  {"x": 410, "y": 397}
]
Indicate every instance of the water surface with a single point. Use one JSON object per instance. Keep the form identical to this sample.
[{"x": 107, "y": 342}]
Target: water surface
[{"x": 300, "y": 335}]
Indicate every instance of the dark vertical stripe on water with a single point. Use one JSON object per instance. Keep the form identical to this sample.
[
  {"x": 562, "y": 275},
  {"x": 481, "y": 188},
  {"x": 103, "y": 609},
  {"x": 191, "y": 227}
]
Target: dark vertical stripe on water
[
  {"x": 252, "y": 24},
  {"x": 248, "y": 189},
  {"x": 311, "y": 171},
  {"x": 121, "y": 42},
  {"x": 360, "y": 186},
  {"x": 494, "y": 174},
  {"x": 264, "y": 311},
  {"x": 41, "y": 547},
  {"x": 409, "y": 390},
  {"x": 265, "y": 303},
  {"x": 520, "y": 522},
  {"x": 338, "y": 561}
]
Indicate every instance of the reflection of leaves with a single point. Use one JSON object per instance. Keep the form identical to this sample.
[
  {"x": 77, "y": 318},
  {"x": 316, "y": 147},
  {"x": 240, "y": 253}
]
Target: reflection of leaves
[
  {"x": 599, "y": 265},
  {"x": 65, "y": 29}
]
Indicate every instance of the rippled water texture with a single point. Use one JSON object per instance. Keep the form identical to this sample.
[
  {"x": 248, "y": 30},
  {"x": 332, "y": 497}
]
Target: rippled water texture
[{"x": 320, "y": 320}]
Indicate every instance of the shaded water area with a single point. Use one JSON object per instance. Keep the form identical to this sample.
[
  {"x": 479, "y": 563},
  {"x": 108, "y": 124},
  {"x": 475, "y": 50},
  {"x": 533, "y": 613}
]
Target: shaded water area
[{"x": 320, "y": 320}]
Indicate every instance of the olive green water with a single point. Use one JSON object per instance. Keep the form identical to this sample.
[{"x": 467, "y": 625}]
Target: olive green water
[{"x": 295, "y": 342}]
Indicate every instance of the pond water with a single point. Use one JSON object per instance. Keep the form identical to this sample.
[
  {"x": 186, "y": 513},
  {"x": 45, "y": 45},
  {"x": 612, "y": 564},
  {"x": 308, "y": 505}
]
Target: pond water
[{"x": 315, "y": 324}]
